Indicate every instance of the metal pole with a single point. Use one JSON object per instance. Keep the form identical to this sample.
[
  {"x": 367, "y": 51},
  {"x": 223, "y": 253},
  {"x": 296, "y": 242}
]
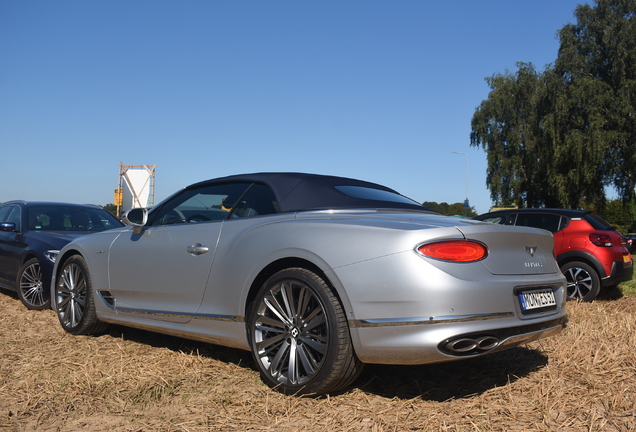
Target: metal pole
[{"x": 466, "y": 203}]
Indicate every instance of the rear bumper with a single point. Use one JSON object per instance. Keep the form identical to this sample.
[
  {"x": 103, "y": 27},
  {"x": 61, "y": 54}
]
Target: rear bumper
[
  {"x": 435, "y": 343},
  {"x": 619, "y": 274}
]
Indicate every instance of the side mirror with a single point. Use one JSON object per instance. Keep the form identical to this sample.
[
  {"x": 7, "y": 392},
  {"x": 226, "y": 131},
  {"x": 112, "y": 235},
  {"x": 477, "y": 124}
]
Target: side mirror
[
  {"x": 7, "y": 226},
  {"x": 137, "y": 217}
]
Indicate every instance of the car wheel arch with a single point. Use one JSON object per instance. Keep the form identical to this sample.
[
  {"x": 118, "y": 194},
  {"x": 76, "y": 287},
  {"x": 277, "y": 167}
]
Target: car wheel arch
[
  {"x": 285, "y": 263},
  {"x": 28, "y": 256},
  {"x": 69, "y": 253},
  {"x": 59, "y": 264},
  {"x": 587, "y": 258},
  {"x": 31, "y": 285}
]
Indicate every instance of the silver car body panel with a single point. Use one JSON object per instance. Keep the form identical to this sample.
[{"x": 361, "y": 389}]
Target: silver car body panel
[
  {"x": 400, "y": 305},
  {"x": 161, "y": 261}
]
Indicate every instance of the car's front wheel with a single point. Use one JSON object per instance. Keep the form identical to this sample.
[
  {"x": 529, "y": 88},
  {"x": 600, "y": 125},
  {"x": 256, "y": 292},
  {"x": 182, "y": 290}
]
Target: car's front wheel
[
  {"x": 74, "y": 301},
  {"x": 299, "y": 335},
  {"x": 31, "y": 291},
  {"x": 583, "y": 282}
]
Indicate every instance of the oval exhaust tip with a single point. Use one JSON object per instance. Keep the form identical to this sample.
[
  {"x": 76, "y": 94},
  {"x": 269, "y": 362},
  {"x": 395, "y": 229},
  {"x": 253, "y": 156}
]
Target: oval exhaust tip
[{"x": 471, "y": 346}]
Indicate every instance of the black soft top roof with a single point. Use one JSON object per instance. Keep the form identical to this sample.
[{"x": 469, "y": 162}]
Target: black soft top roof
[{"x": 301, "y": 192}]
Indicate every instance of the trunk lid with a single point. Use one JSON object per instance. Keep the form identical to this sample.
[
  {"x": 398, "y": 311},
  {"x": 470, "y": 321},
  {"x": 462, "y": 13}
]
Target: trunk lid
[{"x": 514, "y": 250}]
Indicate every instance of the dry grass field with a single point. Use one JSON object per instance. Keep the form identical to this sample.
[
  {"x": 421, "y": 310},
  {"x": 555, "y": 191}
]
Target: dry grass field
[{"x": 128, "y": 380}]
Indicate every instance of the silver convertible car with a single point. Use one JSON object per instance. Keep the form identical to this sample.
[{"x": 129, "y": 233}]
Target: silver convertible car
[{"x": 316, "y": 275}]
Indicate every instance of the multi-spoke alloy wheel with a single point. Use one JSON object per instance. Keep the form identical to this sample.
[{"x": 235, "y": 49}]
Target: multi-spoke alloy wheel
[
  {"x": 71, "y": 295},
  {"x": 583, "y": 282},
  {"x": 291, "y": 333},
  {"x": 74, "y": 298},
  {"x": 31, "y": 289},
  {"x": 299, "y": 335}
]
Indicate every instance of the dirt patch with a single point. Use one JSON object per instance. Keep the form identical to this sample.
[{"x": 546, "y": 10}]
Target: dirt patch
[{"x": 129, "y": 380}]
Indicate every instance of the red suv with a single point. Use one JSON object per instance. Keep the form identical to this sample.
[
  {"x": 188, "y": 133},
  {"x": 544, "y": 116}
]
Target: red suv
[{"x": 591, "y": 253}]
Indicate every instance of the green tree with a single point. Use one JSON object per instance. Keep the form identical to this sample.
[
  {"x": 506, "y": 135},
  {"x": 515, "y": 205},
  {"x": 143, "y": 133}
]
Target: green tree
[
  {"x": 559, "y": 137},
  {"x": 597, "y": 108},
  {"x": 456, "y": 209},
  {"x": 617, "y": 214},
  {"x": 439, "y": 208},
  {"x": 111, "y": 208},
  {"x": 509, "y": 127}
]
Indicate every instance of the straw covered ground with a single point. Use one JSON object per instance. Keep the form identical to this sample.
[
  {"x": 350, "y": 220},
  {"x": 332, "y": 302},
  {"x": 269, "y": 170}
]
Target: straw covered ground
[{"x": 128, "y": 380}]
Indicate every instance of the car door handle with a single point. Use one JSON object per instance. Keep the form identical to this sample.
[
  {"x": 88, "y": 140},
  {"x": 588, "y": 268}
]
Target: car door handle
[{"x": 197, "y": 249}]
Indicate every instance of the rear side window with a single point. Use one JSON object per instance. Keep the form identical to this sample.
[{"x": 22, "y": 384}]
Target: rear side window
[
  {"x": 546, "y": 221},
  {"x": 367, "y": 193},
  {"x": 598, "y": 223},
  {"x": 501, "y": 219}
]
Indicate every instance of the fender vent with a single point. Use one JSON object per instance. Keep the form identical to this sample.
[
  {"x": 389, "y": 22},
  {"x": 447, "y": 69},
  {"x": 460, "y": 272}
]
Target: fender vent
[{"x": 108, "y": 298}]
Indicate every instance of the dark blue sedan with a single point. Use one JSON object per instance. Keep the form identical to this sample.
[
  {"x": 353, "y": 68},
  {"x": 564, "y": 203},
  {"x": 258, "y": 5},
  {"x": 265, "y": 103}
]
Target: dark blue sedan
[{"x": 31, "y": 235}]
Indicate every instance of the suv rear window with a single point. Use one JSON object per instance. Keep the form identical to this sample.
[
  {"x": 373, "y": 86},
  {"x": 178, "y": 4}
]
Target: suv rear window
[{"x": 598, "y": 223}]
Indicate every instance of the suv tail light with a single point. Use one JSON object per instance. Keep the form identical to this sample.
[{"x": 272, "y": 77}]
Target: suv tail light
[
  {"x": 600, "y": 239},
  {"x": 454, "y": 250}
]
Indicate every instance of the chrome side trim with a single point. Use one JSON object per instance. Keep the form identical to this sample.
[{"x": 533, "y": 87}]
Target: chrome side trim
[
  {"x": 213, "y": 317},
  {"x": 109, "y": 301},
  {"x": 388, "y": 322}
]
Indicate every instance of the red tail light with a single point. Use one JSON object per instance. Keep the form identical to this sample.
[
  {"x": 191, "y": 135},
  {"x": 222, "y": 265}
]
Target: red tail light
[
  {"x": 600, "y": 239},
  {"x": 454, "y": 250}
]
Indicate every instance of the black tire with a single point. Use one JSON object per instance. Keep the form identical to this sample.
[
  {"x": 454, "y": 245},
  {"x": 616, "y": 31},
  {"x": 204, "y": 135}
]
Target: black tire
[
  {"x": 584, "y": 283},
  {"x": 31, "y": 288},
  {"x": 74, "y": 301},
  {"x": 299, "y": 335}
]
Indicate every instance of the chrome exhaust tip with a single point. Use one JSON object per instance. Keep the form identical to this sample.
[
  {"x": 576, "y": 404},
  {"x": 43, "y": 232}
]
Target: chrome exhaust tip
[{"x": 471, "y": 345}]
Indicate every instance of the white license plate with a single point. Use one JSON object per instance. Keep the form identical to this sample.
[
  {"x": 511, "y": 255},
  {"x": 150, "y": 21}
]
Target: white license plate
[{"x": 537, "y": 299}]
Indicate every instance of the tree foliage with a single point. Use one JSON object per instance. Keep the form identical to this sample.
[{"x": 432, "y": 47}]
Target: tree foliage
[
  {"x": 509, "y": 127},
  {"x": 456, "y": 209},
  {"x": 557, "y": 138},
  {"x": 619, "y": 215},
  {"x": 597, "y": 65},
  {"x": 111, "y": 208}
]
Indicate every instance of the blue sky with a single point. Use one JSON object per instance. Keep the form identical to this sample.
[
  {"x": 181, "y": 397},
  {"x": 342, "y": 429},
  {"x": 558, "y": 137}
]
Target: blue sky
[{"x": 382, "y": 91}]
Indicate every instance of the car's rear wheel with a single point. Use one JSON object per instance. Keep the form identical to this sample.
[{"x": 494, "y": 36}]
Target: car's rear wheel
[
  {"x": 74, "y": 301},
  {"x": 583, "y": 282},
  {"x": 31, "y": 291},
  {"x": 299, "y": 335}
]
